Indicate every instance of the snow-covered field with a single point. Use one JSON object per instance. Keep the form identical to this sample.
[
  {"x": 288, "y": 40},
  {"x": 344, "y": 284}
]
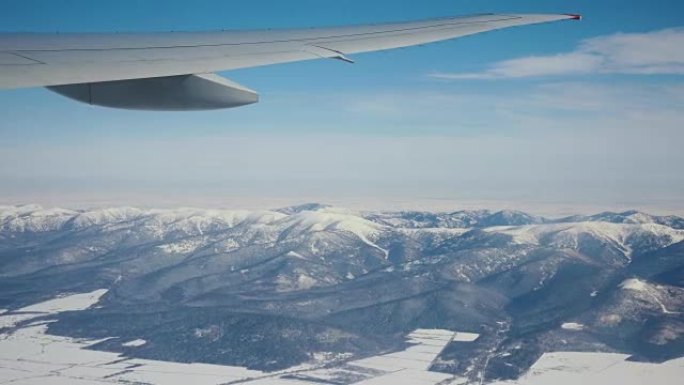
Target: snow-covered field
[
  {"x": 28, "y": 356},
  {"x": 569, "y": 368}
]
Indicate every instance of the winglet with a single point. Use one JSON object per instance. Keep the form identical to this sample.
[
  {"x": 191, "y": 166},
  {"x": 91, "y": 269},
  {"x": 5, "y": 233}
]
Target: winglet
[{"x": 574, "y": 16}]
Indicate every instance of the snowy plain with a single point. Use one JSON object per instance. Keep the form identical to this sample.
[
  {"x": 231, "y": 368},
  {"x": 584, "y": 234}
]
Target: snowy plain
[{"x": 29, "y": 356}]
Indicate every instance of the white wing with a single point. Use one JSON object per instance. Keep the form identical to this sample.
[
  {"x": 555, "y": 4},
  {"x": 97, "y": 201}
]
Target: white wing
[{"x": 31, "y": 60}]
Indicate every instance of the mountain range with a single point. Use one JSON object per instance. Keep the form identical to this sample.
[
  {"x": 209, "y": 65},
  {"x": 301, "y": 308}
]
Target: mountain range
[{"x": 270, "y": 289}]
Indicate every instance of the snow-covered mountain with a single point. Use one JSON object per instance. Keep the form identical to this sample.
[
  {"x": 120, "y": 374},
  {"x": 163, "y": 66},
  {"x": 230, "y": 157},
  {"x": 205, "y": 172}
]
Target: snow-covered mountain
[
  {"x": 458, "y": 219},
  {"x": 267, "y": 289},
  {"x": 629, "y": 217}
]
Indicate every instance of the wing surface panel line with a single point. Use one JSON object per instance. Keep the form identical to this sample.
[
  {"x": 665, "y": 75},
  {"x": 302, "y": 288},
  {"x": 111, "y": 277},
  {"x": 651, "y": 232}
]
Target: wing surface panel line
[{"x": 307, "y": 39}]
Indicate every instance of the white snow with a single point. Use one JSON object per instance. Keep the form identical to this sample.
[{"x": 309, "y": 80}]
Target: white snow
[
  {"x": 465, "y": 337},
  {"x": 648, "y": 291},
  {"x": 65, "y": 303},
  {"x": 298, "y": 281},
  {"x": 28, "y": 356},
  {"x": 181, "y": 247},
  {"x": 33, "y": 218},
  {"x": 73, "y": 302},
  {"x": 569, "y": 368},
  {"x": 409, "y": 366},
  {"x": 332, "y": 219},
  {"x": 134, "y": 343},
  {"x": 305, "y": 282},
  {"x": 634, "y": 284},
  {"x": 295, "y": 254},
  {"x": 155, "y": 221},
  {"x": 574, "y": 326},
  {"x": 566, "y": 235},
  {"x": 106, "y": 216},
  {"x": 8, "y": 321},
  {"x": 449, "y": 232}
]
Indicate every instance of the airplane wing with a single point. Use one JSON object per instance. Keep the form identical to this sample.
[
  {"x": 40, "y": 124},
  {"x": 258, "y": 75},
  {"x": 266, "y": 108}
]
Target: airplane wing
[{"x": 174, "y": 70}]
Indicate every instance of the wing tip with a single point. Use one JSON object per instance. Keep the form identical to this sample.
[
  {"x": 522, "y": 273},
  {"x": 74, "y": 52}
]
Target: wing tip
[{"x": 574, "y": 16}]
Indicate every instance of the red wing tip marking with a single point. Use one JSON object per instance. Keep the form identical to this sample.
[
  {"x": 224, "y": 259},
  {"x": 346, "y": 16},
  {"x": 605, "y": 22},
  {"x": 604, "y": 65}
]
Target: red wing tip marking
[{"x": 574, "y": 16}]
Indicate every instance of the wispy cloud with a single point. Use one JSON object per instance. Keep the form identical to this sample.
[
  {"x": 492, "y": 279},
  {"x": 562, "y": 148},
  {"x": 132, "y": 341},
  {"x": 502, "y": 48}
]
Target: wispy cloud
[
  {"x": 657, "y": 52},
  {"x": 588, "y": 142}
]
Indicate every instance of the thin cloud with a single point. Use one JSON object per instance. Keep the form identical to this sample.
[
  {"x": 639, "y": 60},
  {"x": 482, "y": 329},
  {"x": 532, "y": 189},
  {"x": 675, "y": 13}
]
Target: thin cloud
[
  {"x": 579, "y": 142},
  {"x": 651, "y": 53}
]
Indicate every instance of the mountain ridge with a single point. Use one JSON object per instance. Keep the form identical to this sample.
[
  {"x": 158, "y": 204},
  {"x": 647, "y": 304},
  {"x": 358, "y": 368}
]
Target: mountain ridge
[
  {"x": 302, "y": 274},
  {"x": 33, "y": 217}
]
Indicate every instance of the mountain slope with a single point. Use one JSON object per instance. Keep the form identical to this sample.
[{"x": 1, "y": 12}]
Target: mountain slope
[{"x": 268, "y": 289}]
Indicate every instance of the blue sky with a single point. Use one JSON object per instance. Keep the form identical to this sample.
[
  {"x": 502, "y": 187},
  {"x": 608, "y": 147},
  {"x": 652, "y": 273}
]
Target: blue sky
[{"x": 559, "y": 115}]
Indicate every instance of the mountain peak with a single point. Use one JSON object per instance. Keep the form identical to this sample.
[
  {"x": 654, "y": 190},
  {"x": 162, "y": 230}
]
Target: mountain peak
[
  {"x": 511, "y": 218},
  {"x": 303, "y": 207}
]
